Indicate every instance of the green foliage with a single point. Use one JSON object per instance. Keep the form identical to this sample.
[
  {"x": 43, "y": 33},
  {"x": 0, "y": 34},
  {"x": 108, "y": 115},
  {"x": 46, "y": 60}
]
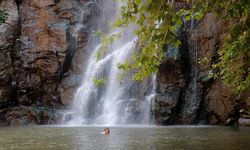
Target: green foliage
[
  {"x": 234, "y": 54},
  {"x": 158, "y": 22},
  {"x": 234, "y": 61},
  {"x": 99, "y": 82},
  {"x": 204, "y": 61},
  {"x": 3, "y": 16}
]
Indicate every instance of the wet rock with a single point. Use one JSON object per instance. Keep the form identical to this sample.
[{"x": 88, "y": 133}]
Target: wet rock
[
  {"x": 17, "y": 116},
  {"x": 201, "y": 98},
  {"x": 163, "y": 107},
  {"x": 191, "y": 103},
  {"x": 248, "y": 101},
  {"x": 170, "y": 81},
  {"x": 245, "y": 106},
  {"x": 202, "y": 43},
  {"x": 246, "y": 98},
  {"x": 170, "y": 76},
  {"x": 244, "y": 122},
  {"x": 79, "y": 36},
  {"x": 32, "y": 115},
  {"x": 220, "y": 102},
  {"x": 8, "y": 34},
  {"x": 68, "y": 87}
]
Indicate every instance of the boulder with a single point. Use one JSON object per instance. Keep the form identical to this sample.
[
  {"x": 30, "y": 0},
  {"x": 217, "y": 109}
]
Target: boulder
[
  {"x": 220, "y": 102},
  {"x": 163, "y": 105},
  {"x": 244, "y": 122},
  {"x": 32, "y": 115}
]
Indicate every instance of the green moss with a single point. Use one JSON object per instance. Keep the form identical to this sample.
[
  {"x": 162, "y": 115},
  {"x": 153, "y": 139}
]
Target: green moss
[{"x": 3, "y": 16}]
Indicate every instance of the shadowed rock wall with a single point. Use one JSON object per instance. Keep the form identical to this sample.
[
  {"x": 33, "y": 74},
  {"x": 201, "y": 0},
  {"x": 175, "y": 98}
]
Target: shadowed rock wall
[{"x": 189, "y": 97}]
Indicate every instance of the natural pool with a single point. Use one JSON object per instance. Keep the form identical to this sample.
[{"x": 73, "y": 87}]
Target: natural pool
[{"x": 124, "y": 138}]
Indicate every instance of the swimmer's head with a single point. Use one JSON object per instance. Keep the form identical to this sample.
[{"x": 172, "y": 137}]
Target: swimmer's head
[{"x": 106, "y": 130}]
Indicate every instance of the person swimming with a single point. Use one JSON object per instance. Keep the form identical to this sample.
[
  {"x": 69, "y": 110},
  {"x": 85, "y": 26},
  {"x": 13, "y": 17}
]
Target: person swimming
[{"x": 106, "y": 131}]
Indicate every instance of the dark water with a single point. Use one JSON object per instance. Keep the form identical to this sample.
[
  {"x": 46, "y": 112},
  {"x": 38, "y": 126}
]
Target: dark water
[{"x": 125, "y": 138}]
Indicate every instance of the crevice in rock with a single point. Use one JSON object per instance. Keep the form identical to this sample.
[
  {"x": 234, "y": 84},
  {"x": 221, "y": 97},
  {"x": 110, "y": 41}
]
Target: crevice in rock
[
  {"x": 14, "y": 49},
  {"x": 186, "y": 71}
]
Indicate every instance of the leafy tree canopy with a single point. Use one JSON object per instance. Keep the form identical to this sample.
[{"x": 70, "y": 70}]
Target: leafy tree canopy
[{"x": 159, "y": 20}]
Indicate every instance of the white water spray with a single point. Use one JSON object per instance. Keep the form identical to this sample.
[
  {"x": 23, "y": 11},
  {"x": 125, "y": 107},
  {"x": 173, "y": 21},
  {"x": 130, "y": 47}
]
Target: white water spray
[{"x": 115, "y": 102}]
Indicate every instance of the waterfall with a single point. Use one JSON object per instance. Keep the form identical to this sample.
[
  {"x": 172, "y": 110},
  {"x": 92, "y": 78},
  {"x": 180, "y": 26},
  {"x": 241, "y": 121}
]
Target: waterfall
[
  {"x": 194, "y": 46},
  {"x": 115, "y": 101}
]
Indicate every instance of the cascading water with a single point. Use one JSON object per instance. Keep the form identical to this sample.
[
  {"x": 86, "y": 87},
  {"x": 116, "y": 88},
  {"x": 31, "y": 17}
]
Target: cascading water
[
  {"x": 115, "y": 101},
  {"x": 194, "y": 46}
]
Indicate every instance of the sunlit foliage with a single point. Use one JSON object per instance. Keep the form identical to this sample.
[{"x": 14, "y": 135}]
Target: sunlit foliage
[
  {"x": 158, "y": 22},
  {"x": 234, "y": 61}
]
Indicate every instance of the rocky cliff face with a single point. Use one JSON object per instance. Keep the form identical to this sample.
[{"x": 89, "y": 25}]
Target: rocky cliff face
[
  {"x": 42, "y": 49},
  {"x": 186, "y": 93},
  {"x": 37, "y": 48}
]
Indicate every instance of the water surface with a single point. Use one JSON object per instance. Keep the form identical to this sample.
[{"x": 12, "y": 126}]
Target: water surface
[{"x": 124, "y": 138}]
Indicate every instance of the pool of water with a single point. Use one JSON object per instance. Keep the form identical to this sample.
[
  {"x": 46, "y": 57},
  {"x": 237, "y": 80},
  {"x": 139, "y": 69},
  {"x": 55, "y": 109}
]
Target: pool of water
[{"x": 124, "y": 138}]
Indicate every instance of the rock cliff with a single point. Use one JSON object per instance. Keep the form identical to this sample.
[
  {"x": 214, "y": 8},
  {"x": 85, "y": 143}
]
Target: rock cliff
[
  {"x": 186, "y": 93},
  {"x": 38, "y": 53}
]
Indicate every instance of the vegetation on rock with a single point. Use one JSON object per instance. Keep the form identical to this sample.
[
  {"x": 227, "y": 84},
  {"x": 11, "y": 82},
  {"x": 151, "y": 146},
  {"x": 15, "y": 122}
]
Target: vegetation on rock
[
  {"x": 234, "y": 55},
  {"x": 3, "y": 16},
  {"x": 158, "y": 22},
  {"x": 99, "y": 82}
]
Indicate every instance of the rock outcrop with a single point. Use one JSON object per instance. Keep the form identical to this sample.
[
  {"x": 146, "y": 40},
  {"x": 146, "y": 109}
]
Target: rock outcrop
[
  {"x": 200, "y": 99},
  {"x": 9, "y": 32},
  {"x": 170, "y": 82},
  {"x": 38, "y": 43}
]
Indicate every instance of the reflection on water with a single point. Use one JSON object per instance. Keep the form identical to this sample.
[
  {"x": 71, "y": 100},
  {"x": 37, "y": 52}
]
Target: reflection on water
[{"x": 124, "y": 138}]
